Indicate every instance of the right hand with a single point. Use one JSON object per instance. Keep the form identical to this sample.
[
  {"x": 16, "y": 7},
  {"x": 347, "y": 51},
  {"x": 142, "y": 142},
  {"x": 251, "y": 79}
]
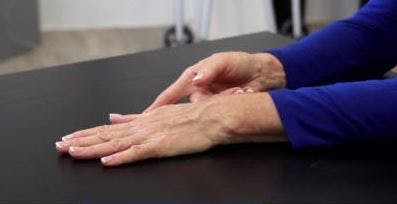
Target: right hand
[
  {"x": 222, "y": 74},
  {"x": 225, "y": 73}
]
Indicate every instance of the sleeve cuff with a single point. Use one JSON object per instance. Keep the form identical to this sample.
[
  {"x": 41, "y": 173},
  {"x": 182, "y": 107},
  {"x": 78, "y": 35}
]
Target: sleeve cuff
[
  {"x": 290, "y": 109},
  {"x": 288, "y": 60}
]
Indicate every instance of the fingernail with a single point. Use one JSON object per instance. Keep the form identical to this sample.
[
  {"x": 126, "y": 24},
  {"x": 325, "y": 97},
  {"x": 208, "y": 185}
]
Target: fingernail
[
  {"x": 198, "y": 76},
  {"x": 74, "y": 150},
  {"x": 58, "y": 145},
  {"x": 249, "y": 90},
  {"x": 61, "y": 146},
  {"x": 114, "y": 116},
  {"x": 106, "y": 160},
  {"x": 239, "y": 91},
  {"x": 67, "y": 137}
]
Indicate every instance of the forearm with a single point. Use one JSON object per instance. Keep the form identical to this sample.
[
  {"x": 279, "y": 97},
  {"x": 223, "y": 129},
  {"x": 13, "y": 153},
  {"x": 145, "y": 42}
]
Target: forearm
[{"x": 341, "y": 113}]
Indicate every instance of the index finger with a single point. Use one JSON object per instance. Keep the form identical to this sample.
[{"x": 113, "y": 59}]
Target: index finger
[{"x": 180, "y": 88}]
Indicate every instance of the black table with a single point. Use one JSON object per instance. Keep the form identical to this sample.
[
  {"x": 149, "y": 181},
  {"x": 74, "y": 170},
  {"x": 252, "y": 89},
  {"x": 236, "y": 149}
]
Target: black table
[{"x": 38, "y": 107}]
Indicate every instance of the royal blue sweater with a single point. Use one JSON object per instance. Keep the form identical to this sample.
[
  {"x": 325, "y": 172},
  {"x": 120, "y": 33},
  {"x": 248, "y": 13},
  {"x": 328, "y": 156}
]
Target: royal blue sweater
[{"x": 335, "y": 92}]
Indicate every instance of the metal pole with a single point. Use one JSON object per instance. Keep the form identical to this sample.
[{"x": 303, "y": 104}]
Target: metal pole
[
  {"x": 269, "y": 16},
  {"x": 206, "y": 13},
  {"x": 296, "y": 18},
  {"x": 179, "y": 20}
]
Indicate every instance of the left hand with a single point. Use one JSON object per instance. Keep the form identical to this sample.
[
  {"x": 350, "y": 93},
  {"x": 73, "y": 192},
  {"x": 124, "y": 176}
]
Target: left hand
[{"x": 179, "y": 129}]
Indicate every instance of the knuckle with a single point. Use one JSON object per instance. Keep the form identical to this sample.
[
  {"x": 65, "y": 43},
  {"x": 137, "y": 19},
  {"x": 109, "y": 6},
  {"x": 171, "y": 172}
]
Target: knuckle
[
  {"x": 223, "y": 59},
  {"x": 117, "y": 144},
  {"x": 142, "y": 151},
  {"x": 162, "y": 109},
  {"x": 160, "y": 148},
  {"x": 104, "y": 136},
  {"x": 201, "y": 62},
  {"x": 189, "y": 70},
  {"x": 101, "y": 129},
  {"x": 223, "y": 56}
]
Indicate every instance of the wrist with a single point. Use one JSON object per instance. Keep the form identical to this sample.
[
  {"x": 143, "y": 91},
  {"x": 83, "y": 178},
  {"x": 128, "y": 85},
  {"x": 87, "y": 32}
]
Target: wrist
[
  {"x": 247, "y": 118},
  {"x": 271, "y": 70}
]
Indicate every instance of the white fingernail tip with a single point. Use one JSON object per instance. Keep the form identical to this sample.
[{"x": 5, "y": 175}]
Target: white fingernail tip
[
  {"x": 58, "y": 145},
  {"x": 239, "y": 91},
  {"x": 249, "y": 90},
  {"x": 72, "y": 149},
  {"x": 67, "y": 137},
  {"x": 105, "y": 160},
  {"x": 114, "y": 115},
  {"x": 198, "y": 76}
]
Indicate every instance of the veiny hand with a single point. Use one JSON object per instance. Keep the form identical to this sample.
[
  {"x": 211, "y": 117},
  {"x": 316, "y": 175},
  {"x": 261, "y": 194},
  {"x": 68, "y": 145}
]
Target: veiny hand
[
  {"x": 225, "y": 73},
  {"x": 179, "y": 129}
]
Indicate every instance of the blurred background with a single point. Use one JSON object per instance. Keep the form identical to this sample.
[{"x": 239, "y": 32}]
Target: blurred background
[{"x": 42, "y": 33}]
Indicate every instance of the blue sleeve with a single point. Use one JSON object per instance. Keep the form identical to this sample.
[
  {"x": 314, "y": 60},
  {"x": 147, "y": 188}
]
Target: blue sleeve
[
  {"x": 341, "y": 113},
  {"x": 359, "y": 48}
]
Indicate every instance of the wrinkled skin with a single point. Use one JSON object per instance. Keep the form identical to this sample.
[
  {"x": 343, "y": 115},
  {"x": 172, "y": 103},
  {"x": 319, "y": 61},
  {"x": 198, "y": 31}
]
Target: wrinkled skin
[{"x": 217, "y": 116}]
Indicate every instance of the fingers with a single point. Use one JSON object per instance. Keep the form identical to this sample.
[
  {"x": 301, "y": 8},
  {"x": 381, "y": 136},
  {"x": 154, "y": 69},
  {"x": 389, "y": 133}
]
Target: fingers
[
  {"x": 180, "y": 88},
  {"x": 234, "y": 90},
  {"x": 64, "y": 146},
  {"x": 255, "y": 86},
  {"x": 248, "y": 90},
  {"x": 95, "y": 130},
  {"x": 132, "y": 154},
  {"x": 118, "y": 118},
  {"x": 83, "y": 141},
  {"x": 202, "y": 95},
  {"x": 201, "y": 74},
  {"x": 103, "y": 149}
]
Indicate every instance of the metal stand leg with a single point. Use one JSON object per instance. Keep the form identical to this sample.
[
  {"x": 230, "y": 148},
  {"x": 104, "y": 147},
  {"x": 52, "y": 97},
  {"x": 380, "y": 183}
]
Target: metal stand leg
[
  {"x": 178, "y": 34},
  {"x": 296, "y": 18},
  {"x": 205, "y": 20},
  {"x": 179, "y": 20},
  {"x": 269, "y": 15}
]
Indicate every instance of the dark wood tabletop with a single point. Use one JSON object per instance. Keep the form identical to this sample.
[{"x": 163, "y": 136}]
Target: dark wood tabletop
[{"x": 38, "y": 107}]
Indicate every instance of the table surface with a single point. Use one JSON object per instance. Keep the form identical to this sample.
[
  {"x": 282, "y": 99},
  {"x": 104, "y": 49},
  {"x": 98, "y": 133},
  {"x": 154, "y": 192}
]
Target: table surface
[{"x": 38, "y": 107}]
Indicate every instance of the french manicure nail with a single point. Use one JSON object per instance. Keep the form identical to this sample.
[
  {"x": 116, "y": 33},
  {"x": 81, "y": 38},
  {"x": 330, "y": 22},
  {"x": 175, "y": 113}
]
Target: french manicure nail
[
  {"x": 198, "y": 76},
  {"x": 58, "y": 145},
  {"x": 106, "y": 160},
  {"x": 239, "y": 91},
  {"x": 68, "y": 137},
  {"x": 249, "y": 90},
  {"x": 115, "y": 115},
  {"x": 73, "y": 149}
]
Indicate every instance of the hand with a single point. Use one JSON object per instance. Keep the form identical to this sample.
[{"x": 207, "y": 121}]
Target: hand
[
  {"x": 179, "y": 129},
  {"x": 223, "y": 74}
]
